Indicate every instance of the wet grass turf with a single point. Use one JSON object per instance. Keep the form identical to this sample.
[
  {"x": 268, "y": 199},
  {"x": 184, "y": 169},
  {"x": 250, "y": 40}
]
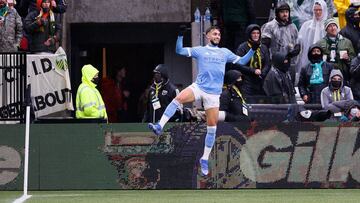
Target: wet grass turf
[{"x": 191, "y": 196}]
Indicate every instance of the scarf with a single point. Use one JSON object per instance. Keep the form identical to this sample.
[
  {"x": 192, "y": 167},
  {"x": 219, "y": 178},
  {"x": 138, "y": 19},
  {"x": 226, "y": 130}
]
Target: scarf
[
  {"x": 333, "y": 58},
  {"x": 52, "y": 21},
  {"x": 317, "y": 75},
  {"x": 239, "y": 93},
  {"x": 3, "y": 11},
  {"x": 336, "y": 95},
  {"x": 255, "y": 61},
  {"x": 158, "y": 86}
]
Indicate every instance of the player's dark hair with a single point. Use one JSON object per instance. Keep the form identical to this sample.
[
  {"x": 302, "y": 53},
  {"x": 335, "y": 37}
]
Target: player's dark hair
[{"x": 214, "y": 27}]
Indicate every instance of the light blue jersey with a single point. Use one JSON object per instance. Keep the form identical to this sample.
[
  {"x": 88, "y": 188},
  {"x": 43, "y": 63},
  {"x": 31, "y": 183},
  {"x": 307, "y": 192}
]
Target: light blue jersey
[{"x": 211, "y": 62}]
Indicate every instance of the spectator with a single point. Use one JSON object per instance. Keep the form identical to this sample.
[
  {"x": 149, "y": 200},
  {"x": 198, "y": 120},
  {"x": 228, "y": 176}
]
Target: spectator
[
  {"x": 342, "y": 110},
  {"x": 115, "y": 96},
  {"x": 336, "y": 90},
  {"x": 303, "y": 10},
  {"x": 237, "y": 14},
  {"x": 281, "y": 35},
  {"x": 89, "y": 103},
  {"x": 44, "y": 28},
  {"x": 278, "y": 83},
  {"x": 352, "y": 29},
  {"x": 142, "y": 102},
  {"x": 161, "y": 93},
  {"x": 26, "y": 6},
  {"x": 337, "y": 49},
  {"x": 122, "y": 84},
  {"x": 256, "y": 70},
  {"x": 355, "y": 77},
  {"x": 10, "y": 28},
  {"x": 312, "y": 31},
  {"x": 314, "y": 77},
  {"x": 232, "y": 103},
  {"x": 353, "y": 112}
]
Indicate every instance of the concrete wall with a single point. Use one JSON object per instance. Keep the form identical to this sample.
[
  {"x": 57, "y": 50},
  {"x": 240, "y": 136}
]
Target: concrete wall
[{"x": 85, "y": 11}]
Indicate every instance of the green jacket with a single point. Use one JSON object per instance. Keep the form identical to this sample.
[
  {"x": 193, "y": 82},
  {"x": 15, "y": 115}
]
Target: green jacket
[
  {"x": 343, "y": 44},
  {"x": 10, "y": 31},
  {"x": 89, "y": 103}
]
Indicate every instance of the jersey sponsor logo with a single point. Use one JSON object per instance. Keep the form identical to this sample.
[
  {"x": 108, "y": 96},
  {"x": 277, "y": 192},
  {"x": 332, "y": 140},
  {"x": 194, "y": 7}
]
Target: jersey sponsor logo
[{"x": 214, "y": 59}]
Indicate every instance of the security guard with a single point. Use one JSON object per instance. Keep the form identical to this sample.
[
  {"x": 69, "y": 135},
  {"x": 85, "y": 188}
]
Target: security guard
[
  {"x": 89, "y": 103},
  {"x": 161, "y": 93}
]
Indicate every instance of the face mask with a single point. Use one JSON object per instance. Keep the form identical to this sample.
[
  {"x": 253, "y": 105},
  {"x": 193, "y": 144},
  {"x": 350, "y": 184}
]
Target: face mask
[
  {"x": 157, "y": 78},
  {"x": 316, "y": 58},
  {"x": 95, "y": 80},
  {"x": 354, "y": 111},
  {"x": 238, "y": 83},
  {"x": 336, "y": 84},
  {"x": 284, "y": 67}
]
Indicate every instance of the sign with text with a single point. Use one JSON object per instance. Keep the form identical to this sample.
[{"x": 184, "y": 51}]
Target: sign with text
[{"x": 48, "y": 75}]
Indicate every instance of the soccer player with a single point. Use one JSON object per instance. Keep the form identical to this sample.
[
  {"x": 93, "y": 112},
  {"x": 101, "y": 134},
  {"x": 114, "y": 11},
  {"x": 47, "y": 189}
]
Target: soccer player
[{"x": 211, "y": 62}]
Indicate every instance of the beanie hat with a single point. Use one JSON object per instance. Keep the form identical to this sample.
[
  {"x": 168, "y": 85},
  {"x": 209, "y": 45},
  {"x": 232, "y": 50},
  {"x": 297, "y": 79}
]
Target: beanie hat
[
  {"x": 39, "y": 2},
  {"x": 231, "y": 76},
  {"x": 329, "y": 22}
]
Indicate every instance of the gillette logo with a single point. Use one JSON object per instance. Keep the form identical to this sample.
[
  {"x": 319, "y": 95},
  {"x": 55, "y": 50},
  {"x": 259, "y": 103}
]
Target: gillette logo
[{"x": 330, "y": 154}]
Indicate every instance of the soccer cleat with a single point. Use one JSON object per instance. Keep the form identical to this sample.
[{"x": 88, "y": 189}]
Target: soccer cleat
[
  {"x": 156, "y": 128},
  {"x": 204, "y": 166}
]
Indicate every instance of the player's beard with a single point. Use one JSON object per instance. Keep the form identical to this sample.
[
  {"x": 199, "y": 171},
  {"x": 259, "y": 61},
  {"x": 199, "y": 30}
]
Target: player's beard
[{"x": 214, "y": 43}]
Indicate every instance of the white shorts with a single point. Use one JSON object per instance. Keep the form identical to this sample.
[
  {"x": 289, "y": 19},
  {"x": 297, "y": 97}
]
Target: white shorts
[{"x": 209, "y": 100}]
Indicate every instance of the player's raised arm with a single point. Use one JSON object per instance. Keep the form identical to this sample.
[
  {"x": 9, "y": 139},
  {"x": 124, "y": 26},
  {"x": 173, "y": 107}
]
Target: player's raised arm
[
  {"x": 179, "y": 43},
  {"x": 184, "y": 51},
  {"x": 180, "y": 49}
]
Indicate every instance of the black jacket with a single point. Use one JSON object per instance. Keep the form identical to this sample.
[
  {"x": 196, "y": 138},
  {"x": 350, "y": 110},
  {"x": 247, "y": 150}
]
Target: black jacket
[
  {"x": 313, "y": 90},
  {"x": 230, "y": 100},
  {"x": 231, "y": 103},
  {"x": 278, "y": 84},
  {"x": 253, "y": 84},
  {"x": 355, "y": 77},
  {"x": 352, "y": 29},
  {"x": 166, "y": 94},
  {"x": 37, "y": 36}
]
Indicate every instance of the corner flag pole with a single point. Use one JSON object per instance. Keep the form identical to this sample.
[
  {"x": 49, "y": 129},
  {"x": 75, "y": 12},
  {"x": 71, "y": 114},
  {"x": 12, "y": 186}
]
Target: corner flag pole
[
  {"x": 25, "y": 195},
  {"x": 26, "y": 165}
]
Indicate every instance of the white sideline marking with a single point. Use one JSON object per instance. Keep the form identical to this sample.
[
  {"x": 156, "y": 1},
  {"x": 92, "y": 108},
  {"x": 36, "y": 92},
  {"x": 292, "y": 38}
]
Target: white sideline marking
[
  {"x": 61, "y": 195},
  {"x": 22, "y": 199}
]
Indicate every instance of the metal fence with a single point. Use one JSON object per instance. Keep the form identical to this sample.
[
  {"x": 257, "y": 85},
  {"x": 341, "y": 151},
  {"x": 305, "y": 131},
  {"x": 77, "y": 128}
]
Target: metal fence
[{"x": 12, "y": 86}]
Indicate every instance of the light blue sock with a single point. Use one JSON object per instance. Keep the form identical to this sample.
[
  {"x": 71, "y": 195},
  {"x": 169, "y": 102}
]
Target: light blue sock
[
  {"x": 209, "y": 141},
  {"x": 169, "y": 112}
]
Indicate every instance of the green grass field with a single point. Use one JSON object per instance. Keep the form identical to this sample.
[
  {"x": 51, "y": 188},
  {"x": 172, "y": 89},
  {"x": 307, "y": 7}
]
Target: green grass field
[{"x": 191, "y": 196}]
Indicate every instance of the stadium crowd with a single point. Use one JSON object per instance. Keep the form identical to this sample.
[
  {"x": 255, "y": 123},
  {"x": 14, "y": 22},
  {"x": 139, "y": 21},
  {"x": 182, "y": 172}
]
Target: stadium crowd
[
  {"x": 314, "y": 62},
  {"x": 317, "y": 59},
  {"x": 30, "y": 25}
]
